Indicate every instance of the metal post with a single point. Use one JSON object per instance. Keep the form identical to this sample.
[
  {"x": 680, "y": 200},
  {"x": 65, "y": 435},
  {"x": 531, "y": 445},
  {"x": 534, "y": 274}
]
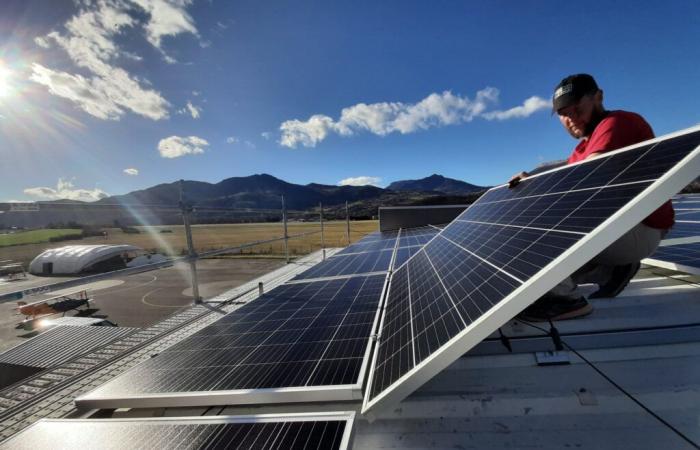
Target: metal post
[
  {"x": 286, "y": 236},
  {"x": 261, "y": 291},
  {"x": 323, "y": 239},
  {"x": 347, "y": 222},
  {"x": 186, "y": 210}
]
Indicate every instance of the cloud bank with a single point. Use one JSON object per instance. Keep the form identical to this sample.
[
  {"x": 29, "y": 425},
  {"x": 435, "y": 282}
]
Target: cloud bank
[
  {"x": 360, "y": 181},
  {"x": 176, "y": 146},
  {"x": 435, "y": 110},
  {"x": 65, "y": 190}
]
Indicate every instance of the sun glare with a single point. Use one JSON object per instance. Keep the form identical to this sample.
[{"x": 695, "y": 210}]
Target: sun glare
[{"x": 5, "y": 75}]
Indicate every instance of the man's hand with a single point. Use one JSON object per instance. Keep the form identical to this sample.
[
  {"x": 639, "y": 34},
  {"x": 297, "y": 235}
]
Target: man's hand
[{"x": 517, "y": 178}]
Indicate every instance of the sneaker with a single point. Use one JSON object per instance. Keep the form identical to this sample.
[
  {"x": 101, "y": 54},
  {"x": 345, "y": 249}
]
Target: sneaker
[
  {"x": 552, "y": 307},
  {"x": 619, "y": 279}
]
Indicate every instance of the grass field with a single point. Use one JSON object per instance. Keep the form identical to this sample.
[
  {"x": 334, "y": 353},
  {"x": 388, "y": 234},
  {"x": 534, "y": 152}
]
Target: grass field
[
  {"x": 212, "y": 237},
  {"x": 33, "y": 236}
]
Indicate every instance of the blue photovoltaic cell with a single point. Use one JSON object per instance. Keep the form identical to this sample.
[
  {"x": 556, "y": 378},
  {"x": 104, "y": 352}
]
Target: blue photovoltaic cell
[
  {"x": 683, "y": 230},
  {"x": 416, "y": 236},
  {"x": 499, "y": 243},
  {"x": 350, "y": 264},
  {"x": 297, "y": 335},
  {"x": 683, "y": 254},
  {"x": 693, "y": 215},
  {"x": 371, "y": 246},
  {"x": 404, "y": 253}
]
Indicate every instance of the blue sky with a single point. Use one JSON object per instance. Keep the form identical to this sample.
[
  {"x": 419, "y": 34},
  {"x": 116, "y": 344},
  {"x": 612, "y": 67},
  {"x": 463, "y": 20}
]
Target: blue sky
[{"x": 111, "y": 96}]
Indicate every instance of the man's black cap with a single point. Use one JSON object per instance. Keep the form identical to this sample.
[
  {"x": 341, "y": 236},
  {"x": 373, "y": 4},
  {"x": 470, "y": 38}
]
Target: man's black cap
[{"x": 570, "y": 90}]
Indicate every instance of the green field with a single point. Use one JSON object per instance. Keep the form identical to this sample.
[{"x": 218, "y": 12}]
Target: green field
[
  {"x": 34, "y": 236},
  {"x": 205, "y": 238}
]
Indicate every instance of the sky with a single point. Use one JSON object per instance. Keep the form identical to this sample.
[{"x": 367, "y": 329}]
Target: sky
[{"x": 105, "y": 97}]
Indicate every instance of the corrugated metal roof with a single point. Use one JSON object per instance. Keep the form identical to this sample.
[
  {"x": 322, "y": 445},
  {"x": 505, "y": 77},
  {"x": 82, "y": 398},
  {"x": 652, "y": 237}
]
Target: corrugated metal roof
[{"x": 60, "y": 344}]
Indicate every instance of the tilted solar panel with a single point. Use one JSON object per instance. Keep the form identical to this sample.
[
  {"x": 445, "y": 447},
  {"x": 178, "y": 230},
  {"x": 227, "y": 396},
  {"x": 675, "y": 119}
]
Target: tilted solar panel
[
  {"x": 311, "y": 431},
  {"x": 299, "y": 342},
  {"x": 509, "y": 248}
]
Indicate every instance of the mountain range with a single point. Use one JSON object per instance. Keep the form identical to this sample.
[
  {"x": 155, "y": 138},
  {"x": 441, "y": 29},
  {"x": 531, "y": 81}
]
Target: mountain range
[{"x": 263, "y": 191}]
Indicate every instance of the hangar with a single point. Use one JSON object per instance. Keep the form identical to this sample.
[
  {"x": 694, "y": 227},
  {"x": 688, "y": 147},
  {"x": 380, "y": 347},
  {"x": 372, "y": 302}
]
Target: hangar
[{"x": 75, "y": 259}]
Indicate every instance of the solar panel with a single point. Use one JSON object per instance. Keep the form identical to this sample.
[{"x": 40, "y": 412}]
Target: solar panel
[
  {"x": 299, "y": 342},
  {"x": 417, "y": 236},
  {"x": 404, "y": 253},
  {"x": 509, "y": 248},
  {"x": 688, "y": 215},
  {"x": 311, "y": 431},
  {"x": 350, "y": 264},
  {"x": 371, "y": 246},
  {"x": 681, "y": 257}
]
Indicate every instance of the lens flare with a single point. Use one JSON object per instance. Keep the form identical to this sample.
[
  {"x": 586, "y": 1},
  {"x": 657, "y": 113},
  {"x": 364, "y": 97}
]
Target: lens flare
[{"x": 5, "y": 79}]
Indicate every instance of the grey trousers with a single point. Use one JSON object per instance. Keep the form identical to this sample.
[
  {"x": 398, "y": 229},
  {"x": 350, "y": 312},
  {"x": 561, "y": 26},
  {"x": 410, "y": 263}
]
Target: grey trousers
[{"x": 637, "y": 244}]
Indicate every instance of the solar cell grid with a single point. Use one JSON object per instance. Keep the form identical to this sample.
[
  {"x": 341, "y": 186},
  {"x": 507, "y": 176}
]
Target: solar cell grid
[
  {"x": 295, "y": 431},
  {"x": 488, "y": 264},
  {"x": 350, "y": 264},
  {"x": 416, "y": 236},
  {"x": 372, "y": 246},
  {"x": 683, "y": 257},
  {"x": 404, "y": 253},
  {"x": 683, "y": 229},
  {"x": 301, "y": 335}
]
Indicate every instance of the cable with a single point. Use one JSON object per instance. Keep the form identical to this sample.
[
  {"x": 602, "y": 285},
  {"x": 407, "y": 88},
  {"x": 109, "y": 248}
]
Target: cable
[{"x": 554, "y": 333}]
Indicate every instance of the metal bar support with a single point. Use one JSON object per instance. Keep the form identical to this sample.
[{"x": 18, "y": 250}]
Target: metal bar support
[
  {"x": 186, "y": 211},
  {"x": 286, "y": 236},
  {"x": 347, "y": 222},
  {"x": 323, "y": 237}
]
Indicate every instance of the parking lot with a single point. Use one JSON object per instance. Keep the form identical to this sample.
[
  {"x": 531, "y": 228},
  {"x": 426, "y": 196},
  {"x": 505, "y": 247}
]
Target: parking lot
[{"x": 141, "y": 299}]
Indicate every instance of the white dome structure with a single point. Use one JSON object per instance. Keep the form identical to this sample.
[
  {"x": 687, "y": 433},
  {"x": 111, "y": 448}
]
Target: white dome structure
[{"x": 74, "y": 259}]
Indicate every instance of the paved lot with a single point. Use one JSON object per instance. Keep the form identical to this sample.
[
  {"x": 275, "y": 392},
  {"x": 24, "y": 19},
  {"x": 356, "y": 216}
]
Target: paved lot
[{"x": 142, "y": 299}]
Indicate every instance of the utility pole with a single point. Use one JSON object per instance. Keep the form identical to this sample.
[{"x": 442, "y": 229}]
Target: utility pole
[
  {"x": 323, "y": 240},
  {"x": 186, "y": 211},
  {"x": 286, "y": 235},
  {"x": 347, "y": 222}
]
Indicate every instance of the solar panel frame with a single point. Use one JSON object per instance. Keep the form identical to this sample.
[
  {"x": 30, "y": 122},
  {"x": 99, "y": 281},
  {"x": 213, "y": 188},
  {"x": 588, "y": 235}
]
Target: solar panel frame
[
  {"x": 602, "y": 235},
  {"x": 338, "y": 392},
  {"x": 40, "y": 435}
]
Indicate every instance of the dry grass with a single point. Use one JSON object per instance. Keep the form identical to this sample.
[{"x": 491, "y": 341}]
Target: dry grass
[{"x": 212, "y": 237}]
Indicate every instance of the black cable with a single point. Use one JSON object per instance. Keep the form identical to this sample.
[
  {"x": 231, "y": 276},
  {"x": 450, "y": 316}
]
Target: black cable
[{"x": 555, "y": 332}]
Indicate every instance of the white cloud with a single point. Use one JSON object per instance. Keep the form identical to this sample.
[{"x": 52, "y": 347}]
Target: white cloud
[
  {"x": 131, "y": 171},
  {"x": 167, "y": 18},
  {"x": 249, "y": 144},
  {"x": 529, "y": 106},
  {"x": 383, "y": 118},
  {"x": 360, "y": 181},
  {"x": 89, "y": 39},
  {"x": 176, "y": 146},
  {"x": 66, "y": 190},
  {"x": 231, "y": 140},
  {"x": 266, "y": 135},
  {"x": 192, "y": 110}
]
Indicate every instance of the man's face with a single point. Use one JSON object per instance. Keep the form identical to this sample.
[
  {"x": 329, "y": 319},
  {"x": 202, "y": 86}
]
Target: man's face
[{"x": 576, "y": 118}]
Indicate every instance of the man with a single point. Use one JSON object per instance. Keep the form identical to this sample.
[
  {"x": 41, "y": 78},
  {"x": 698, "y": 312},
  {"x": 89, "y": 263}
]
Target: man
[{"x": 578, "y": 102}]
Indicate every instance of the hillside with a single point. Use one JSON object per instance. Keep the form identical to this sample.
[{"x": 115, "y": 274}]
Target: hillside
[{"x": 436, "y": 183}]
